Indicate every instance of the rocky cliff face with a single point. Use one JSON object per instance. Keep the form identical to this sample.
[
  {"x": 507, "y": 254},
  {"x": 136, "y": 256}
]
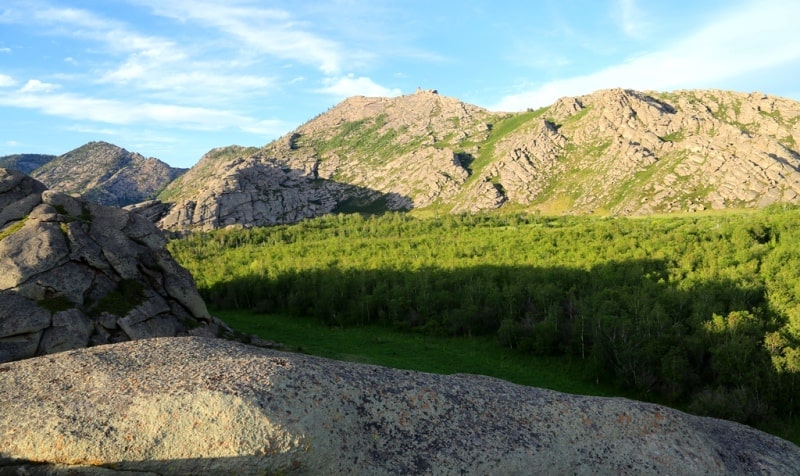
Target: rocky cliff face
[
  {"x": 630, "y": 153},
  {"x": 365, "y": 154},
  {"x": 74, "y": 273},
  {"x": 255, "y": 189},
  {"x": 210, "y": 406},
  {"x": 616, "y": 152},
  {"x": 106, "y": 174}
]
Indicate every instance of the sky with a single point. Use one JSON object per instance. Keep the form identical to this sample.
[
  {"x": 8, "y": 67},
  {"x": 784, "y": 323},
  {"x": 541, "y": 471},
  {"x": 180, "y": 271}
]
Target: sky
[{"x": 174, "y": 79}]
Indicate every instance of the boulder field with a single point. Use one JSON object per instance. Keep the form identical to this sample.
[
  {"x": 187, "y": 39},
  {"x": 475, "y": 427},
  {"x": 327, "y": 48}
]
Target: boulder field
[{"x": 192, "y": 405}]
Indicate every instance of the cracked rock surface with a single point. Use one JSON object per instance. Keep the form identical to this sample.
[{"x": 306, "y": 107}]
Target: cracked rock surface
[
  {"x": 209, "y": 406},
  {"x": 74, "y": 273}
]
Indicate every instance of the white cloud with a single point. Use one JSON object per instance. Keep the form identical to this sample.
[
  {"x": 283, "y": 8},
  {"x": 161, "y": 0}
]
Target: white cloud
[
  {"x": 54, "y": 15},
  {"x": 758, "y": 36},
  {"x": 6, "y": 81},
  {"x": 79, "y": 23},
  {"x": 266, "y": 31},
  {"x": 350, "y": 85},
  {"x": 5, "y": 50},
  {"x": 120, "y": 112},
  {"x": 197, "y": 80},
  {"x": 36, "y": 86},
  {"x": 150, "y": 63}
]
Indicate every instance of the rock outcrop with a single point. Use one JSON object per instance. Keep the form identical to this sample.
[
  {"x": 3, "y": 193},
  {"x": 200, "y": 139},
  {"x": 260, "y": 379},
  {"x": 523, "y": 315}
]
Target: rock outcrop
[
  {"x": 210, "y": 406},
  {"x": 74, "y": 274},
  {"x": 613, "y": 152},
  {"x": 364, "y": 155},
  {"x": 258, "y": 190},
  {"x": 107, "y": 174},
  {"x": 624, "y": 152}
]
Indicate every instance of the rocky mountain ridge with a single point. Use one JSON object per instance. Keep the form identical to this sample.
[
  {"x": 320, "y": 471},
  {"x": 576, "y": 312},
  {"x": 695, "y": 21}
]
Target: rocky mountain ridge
[
  {"x": 25, "y": 163},
  {"x": 613, "y": 152},
  {"x": 99, "y": 171}
]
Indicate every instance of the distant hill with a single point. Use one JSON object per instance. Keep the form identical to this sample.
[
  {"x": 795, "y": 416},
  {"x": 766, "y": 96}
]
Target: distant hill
[
  {"x": 107, "y": 174},
  {"x": 26, "y": 163},
  {"x": 613, "y": 152}
]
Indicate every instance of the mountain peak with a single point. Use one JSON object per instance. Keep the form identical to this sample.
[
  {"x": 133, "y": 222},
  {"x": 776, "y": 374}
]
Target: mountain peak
[{"x": 107, "y": 174}]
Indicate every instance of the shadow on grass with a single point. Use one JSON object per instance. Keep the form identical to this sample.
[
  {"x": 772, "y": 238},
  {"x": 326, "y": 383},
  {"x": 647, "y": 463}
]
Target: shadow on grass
[{"x": 699, "y": 346}]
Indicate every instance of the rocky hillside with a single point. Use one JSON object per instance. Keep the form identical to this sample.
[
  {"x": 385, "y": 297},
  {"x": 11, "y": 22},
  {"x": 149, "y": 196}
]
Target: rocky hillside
[
  {"x": 106, "y": 174},
  {"x": 74, "y": 274},
  {"x": 614, "y": 152},
  {"x": 25, "y": 163},
  {"x": 210, "y": 406}
]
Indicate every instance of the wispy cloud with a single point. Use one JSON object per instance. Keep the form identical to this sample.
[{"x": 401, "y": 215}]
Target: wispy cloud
[
  {"x": 119, "y": 112},
  {"x": 194, "y": 81},
  {"x": 757, "y": 36},
  {"x": 266, "y": 31},
  {"x": 38, "y": 96},
  {"x": 99, "y": 131},
  {"x": 158, "y": 67},
  {"x": 79, "y": 23},
  {"x": 5, "y": 50},
  {"x": 630, "y": 18},
  {"x": 351, "y": 85}
]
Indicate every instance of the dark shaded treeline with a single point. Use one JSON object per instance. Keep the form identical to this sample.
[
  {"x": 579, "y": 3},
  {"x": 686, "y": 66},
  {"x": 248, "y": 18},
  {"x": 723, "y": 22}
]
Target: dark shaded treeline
[{"x": 698, "y": 311}]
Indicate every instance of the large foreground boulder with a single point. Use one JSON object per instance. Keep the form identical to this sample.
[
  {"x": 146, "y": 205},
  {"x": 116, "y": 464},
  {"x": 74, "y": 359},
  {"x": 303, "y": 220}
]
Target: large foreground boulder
[
  {"x": 211, "y": 406},
  {"x": 75, "y": 274}
]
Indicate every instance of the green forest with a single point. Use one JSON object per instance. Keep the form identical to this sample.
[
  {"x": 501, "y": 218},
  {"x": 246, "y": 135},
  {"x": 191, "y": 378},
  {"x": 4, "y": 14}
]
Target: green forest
[{"x": 700, "y": 311}]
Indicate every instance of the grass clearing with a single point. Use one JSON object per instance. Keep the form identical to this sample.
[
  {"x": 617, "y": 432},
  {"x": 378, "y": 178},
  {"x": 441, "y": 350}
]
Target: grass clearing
[
  {"x": 377, "y": 345},
  {"x": 381, "y": 346}
]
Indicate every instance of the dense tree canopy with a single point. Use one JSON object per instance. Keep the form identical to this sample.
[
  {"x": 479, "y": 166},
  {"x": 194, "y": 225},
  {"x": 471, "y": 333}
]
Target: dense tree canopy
[{"x": 702, "y": 310}]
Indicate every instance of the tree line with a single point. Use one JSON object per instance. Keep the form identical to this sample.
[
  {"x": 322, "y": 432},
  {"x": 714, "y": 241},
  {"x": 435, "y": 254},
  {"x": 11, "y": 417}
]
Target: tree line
[{"x": 697, "y": 310}]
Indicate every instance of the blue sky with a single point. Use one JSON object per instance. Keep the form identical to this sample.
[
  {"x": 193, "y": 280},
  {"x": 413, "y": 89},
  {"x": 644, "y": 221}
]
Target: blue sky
[{"x": 175, "y": 78}]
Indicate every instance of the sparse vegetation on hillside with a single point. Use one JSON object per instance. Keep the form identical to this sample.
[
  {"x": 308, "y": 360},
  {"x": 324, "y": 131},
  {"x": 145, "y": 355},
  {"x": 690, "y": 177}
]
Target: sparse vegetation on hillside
[
  {"x": 198, "y": 176},
  {"x": 701, "y": 311},
  {"x": 500, "y": 130}
]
